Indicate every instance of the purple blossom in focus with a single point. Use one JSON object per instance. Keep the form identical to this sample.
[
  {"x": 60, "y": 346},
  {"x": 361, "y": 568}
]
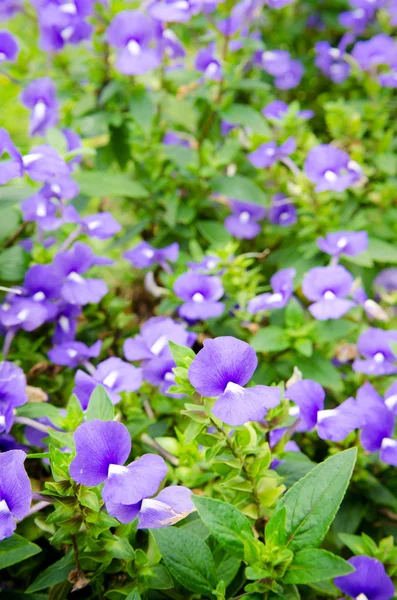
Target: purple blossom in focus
[
  {"x": 369, "y": 580},
  {"x": 15, "y": 491},
  {"x": 221, "y": 369},
  {"x": 200, "y": 294},
  {"x": 12, "y": 393},
  {"x": 309, "y": 398}
]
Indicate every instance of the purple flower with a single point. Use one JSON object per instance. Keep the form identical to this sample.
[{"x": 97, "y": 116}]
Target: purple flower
[
  {"x": 269, "y": 153},
  {"x": 200, "y": 294},
  {"x": 8, "y": 8},
  {"x": 179, "y": 11},
  {"x": 369, "y": 580},
  {"x": 101, "y": 451},
  {"x": 357, "y": 20},
  {"x": 350, "y": 243},
  {"x": 144, "y": 255},
  {"x": 378, "y": 419},
  {"x": 242, "y": 224},
  {"x": 63, "y": 23},
  {"x": 73, "y": 142},
  {"x": 331, "y": 169},
  {"x": 133, "y": 33},
  {"x": 22, "y": 313},
  {"x": 171, "y": 45},
  {"x": 174, "y": 139},
  {"x": 335, "y": 424},
  {"x": 15, "y": 491},
  {"x": 101, "y": 225},
  {"x": 279, "y": 3},
  {"x": 42, "y": 283},
  {"x": 331, "y": 61},
  {"x": 209, "y": 263},
  {"x": 282, "y": 212},
  {"x": 287, "y": 72},
  {"x": 72, "y": 354},
  {"x": 277, "y": 110},
  {"x": 388, "y": 452},
  {"x": 282, "y": 286},
  {"x": 167, "y": 508},
  {"x": 388, "y": 80},
  {"x": 152, "y": 341},
  {"x": 12, "y": 393},
  {"x": 40, "y": 97},
  {"x": 208, "y": 64},
  {"x": 71, "y": 265},
  {"x": 240, "y": 13},
  {"x": 328, "y": 287},
  {"x": 387, "y": 279},
  {"x": 8, "y": 47},
  {"x": 309, "y": 398},
  {"x": 44, "y": 163},
  {"x": 379, "y": 50},
  {"x": 66, "y": 323},
  {"x": 13, "y": 167},
  {"x": 114, "y": 375},
  {"x": 221, "y": 369},
  {"x": 375, "y": 345},
  {"x": 159, "y": 372}
]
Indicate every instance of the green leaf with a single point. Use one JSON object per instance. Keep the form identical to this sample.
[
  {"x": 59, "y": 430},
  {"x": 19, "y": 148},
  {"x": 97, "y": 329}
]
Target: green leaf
[
  {"x": 13, "y": 194},
  {"x": 101, "y": 183},
  {"x": 181, "y": 156},
  {"x": 294, "y": 315},
  {"x": 294, "y": 466},
  {"x": 320, "y": 368},
  {"x": 214, "y": 232},
  {"x": 275, "y": 528},
  {"x": 226, "y": 523},
  {"x": 36, "y": 410},
  {"x": 355, "y": 543},
  {"x": 159, "y": 578},
  {"x": 188, "y": 558},
  {"x": 142, "y": 109},
  {"x": 134, "y": 595},
  {"x": 313, "y": 501},
  {"x": 100, "y": 406},
  {"x": 9, "y": 221},
  {"x": 240, "y": 188},
  {"x": 311, "y": 565},
  {"x": 54, "y": 574},
  {"x": 16, "y": 549},
  {"x": 270, "y": 339},
  {"x": 182, "y": 355},
  {"x": 242, "y": 114},
  {"x": 13, "y": 264},
  {"x": 381, "y": 251},
  {"x": 180, "y": 112}
]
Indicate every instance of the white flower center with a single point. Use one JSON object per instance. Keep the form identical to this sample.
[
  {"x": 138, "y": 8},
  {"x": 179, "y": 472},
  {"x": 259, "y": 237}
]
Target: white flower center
[
  {"x": 328, "y": 295},
  {"x": 39, "y": 110},
  {"x": 116, "y": 470},
  {"x": 379, "y": 358},
  {"x": 361, "y": 597},
  {"x": 244, "y": 217},
  {"x": 3, "y": 56},
  {"x": 21, "y": 316},
  {"x": 353, "y": 165},
  {"x": 334, "y": 53},
  {"x": 56, "y": 189},
  {"x": 182, "y": 5},
  {"x": 211, "y": 70},
  {"x": 359, "y": 13},
  {"x": 330, "y": 176},
  {"x": 64, "y": 323},
  {"x": 389, "y": 443},
  {"x": 268, "y": 55},
  {"x": 110, "y": 379},
  {"x": 72, "y": 353},
  {"x": 270, "y": 152},
  {"x": 159, "y": 345},
  {"x": 73, "y": 276},
  {"x": 134, "y": 48},
  {"x": 4, "y": 507},
  {"x": 324, "y": 414},
  {"x": 94, "y": 225},
  {"x": 169, "y": 35},
  {"x": 342, "y": 242},
  {"x": 391, "y": 402},
  {"x": 31, "y": 158},
  {"x": 68, "y": 8},
  {"x": 169, "y": 376},
  {"x": 38, "y": 296},
  {"x": 211, "y": 264},
  {"x": 198, "y": 297},
  {"x": 276, "y": 297},
  {"x": 293, "y": 411},
  {"x": 41, "y": 210},
  {"x": 67, "y": 33},
  {"x": 148, "y": 253},
  {"x": 234, "y": 388}
]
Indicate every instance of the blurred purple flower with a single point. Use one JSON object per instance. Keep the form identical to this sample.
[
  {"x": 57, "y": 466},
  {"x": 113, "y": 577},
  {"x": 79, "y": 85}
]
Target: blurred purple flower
[
  {"x": 282, "y": 212},
  {"x": 8, "y": 47},
  {"x": 379, "y": 50},
  {"x": 331, "y": 169},
  {"x": 13, "y": 166},
  {"x": 43, "y": 163},
  {"x": 12, "y": 393},
  {"x": 350, "y": 243},
  {"x": 379, "y": 358},
  {"x": 144, "y": 255},
  {"x": 40, "y": 97},
  {"x": 277, "y": 110},
  {"x": 282, "y": 286},
  {"x": 269, "y": 153},
  {"x": 328, "y": 287},
  {"x": 73, "y": 354},
  {"x": 207, "y": 63},
  {"x": 221, "y": 369},
  {"x": 242, "y": 224},
  {"x": 134, "y": 34},
  {"x": 287, "y": 72},
  {"x": 331, "y": 61},
  {"x": 152, "y": 341}
]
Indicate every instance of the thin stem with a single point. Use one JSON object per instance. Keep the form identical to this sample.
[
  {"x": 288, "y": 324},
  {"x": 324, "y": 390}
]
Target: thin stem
[
  {"x": 288, "y": 162},
  {"x": 148, "y": 409},
  {"x": 34, "y": 424},
  {"x": 10, "y": 290},
  {"x": 70, "y": 239},
  {"x": 164, "y": 453},
  {"x": 76, "y": 553},
  {"x": 37, "y": 507},
  {"x": 90, "y": 368},
  {"x": 9, "y": 336}
]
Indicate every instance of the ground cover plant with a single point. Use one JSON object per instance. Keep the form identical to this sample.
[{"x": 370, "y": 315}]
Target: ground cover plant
[{"x": 198, "y": 275}]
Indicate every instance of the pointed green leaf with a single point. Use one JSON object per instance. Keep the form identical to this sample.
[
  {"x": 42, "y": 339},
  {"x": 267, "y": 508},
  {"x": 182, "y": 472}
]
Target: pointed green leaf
[
  {"x": 100, "y": 406},
  {"x": 15, "y": 549},
  {"x": 311, "y": 565}
]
